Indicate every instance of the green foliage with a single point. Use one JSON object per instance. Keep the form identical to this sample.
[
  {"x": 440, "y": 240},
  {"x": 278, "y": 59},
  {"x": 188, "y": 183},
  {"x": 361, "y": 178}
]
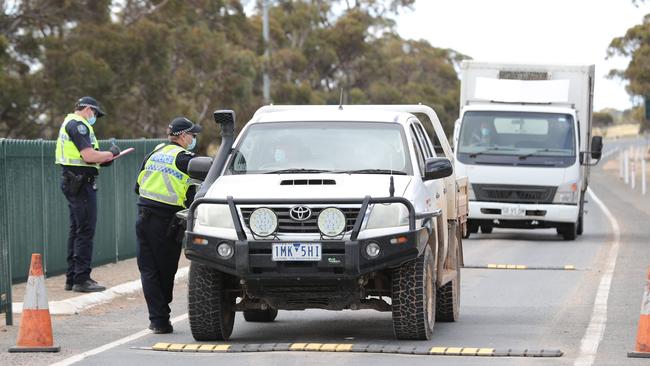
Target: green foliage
[
  {"x": 601, "y": 119},
  {"x": 148, "y": 61}
]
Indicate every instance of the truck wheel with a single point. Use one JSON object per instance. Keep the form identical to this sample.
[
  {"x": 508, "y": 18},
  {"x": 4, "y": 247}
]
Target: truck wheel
[
  {"x": 472, "y": 227},
  {"x": 414, "y": 298},
  {"x": 211, "y": 309},
  {"x": 568, "y": 231},
  {"x": 448, "y": 295},
  {"x": 262, "y": 316},
  {"x": 580, "y": 223},
  {"x": 486, "y": 229}
]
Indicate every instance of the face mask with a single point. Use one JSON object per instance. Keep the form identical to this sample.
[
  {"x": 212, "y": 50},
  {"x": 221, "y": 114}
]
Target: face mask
[
  {"x": 192, "y": 144},
  {"x": 485, "y": 131},
  {"x": 280, "y": 155},
  {"x": 92, "y": 120}
]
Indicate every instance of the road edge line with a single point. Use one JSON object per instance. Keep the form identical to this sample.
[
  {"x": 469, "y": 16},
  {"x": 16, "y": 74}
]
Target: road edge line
[
  {"x": 596, "y": 329},
  {"x": 80, "y": 303},
  {"x": 79, "y": 357}
]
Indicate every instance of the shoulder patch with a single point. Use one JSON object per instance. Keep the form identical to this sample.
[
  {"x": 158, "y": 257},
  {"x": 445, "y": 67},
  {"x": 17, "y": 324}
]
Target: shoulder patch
[{"x": 82, "y": 129}]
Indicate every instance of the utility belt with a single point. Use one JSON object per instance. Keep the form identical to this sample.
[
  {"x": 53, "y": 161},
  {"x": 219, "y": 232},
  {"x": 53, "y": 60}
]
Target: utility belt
[
  {"x": 175, "y": 226},
  {"x": 72, "y": 183}
]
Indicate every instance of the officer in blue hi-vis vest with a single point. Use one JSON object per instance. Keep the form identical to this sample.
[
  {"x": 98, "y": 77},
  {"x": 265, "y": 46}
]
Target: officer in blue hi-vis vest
[
  {"x": 164, "y": 189},
  {"x": 77, "y": 151}
]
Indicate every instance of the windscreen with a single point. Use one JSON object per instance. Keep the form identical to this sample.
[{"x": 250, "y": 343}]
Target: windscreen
[
  {"x": 517, "y": 138},
  {"x": 312, "y": 147}
]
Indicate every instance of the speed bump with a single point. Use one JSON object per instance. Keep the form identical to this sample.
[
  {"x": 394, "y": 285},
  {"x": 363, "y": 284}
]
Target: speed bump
[
  {"x": 356, "y": 348},
  {"x": 566, "y": 267}
]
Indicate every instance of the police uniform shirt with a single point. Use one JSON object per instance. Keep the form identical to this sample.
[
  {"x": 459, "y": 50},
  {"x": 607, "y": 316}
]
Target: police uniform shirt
[
  {"x": 80, "y": 136},
  {"x": 182, "y": 161}
]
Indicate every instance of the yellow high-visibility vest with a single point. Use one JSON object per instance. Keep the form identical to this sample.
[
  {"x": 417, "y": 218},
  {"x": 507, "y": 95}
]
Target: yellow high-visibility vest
[
  {"x": 66, "y": 151},
  {"x": 161, "y": 180}
]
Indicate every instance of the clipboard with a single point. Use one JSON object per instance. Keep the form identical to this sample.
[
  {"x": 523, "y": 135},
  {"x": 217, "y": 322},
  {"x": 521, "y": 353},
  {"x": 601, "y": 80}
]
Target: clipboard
[{"x": 122, "y": 153}]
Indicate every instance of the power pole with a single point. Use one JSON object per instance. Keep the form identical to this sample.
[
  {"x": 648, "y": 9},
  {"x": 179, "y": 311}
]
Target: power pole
[{"x": 266, "y": 88}]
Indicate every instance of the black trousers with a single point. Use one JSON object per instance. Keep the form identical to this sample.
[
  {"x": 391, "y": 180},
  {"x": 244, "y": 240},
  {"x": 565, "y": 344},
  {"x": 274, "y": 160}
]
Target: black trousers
[
  {"x": 158, "y": 253},
  {"x": 83, "y": 219}
]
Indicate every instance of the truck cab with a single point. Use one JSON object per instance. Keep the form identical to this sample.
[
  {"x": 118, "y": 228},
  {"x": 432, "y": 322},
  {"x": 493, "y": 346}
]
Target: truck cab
[{"x": 326, "y": 207}]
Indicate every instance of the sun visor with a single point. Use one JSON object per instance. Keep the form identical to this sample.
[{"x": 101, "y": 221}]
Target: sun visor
[{"x": 522, "y": 91}]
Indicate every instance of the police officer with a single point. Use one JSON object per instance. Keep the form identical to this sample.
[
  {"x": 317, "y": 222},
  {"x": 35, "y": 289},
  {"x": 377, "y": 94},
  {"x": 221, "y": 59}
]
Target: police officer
[
  {"x": 77, "y": 151},
  {"x": 164, "y": 188}
]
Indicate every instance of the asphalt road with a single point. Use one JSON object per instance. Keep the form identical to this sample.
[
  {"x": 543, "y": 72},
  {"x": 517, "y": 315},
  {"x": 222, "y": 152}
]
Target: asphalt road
[{"x": 516, "y": 309}]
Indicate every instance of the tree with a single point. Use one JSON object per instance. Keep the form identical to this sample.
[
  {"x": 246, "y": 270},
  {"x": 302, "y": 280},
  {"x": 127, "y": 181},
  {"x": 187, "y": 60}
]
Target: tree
[{"x": 602, "y": 119}]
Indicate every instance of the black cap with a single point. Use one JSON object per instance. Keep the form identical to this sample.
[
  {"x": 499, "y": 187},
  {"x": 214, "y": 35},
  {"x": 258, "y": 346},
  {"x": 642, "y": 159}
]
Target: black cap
[
  {"x": 92, "y": 103},
  {"x": 181, "y": 125}
]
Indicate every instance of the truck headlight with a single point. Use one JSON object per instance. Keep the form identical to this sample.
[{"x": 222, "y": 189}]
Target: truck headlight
[
  {"x": 331, "y": 222},
  {"x": 263, "y": 222},
  {"x": 388, "y": 215},
  {"x": 567, "y": 194},
  {"x": 214, "y": 216},
  {"x": 471, "y": 196}
]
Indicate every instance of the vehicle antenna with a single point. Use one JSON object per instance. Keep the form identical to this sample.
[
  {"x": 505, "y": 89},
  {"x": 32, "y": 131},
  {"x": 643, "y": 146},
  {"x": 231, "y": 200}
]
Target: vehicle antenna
[
  {"x": 341, "y": 101},
  {"x": 391, "y": 184}
]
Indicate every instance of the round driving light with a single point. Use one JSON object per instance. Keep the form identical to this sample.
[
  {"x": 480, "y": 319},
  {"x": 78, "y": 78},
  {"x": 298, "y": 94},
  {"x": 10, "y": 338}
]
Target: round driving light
[
  {"x": 373, "y": 250},
  {"x": 331, "y": 222},
  {"x": 263, "y": 222},
  {"x": 225, "y": 250}
]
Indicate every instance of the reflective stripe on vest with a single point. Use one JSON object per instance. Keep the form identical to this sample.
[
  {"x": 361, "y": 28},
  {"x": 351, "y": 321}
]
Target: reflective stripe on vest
[
  {"x": 161, "y": 181},
  {"x": 66, "y": 151}
]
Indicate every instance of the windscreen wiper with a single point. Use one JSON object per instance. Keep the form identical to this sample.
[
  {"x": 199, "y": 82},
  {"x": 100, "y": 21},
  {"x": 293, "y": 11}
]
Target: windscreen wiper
[
  {"x": 522, "y": 157},
  {"x": 298, "y": 170},
  {"x": 496, "y": 148},
  {"x": 374, "y": 171}
]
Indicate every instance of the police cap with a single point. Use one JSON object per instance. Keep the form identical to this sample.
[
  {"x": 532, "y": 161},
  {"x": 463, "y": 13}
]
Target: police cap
[
  {"x": 180, "y": 125},
  {"x": 92, "y": 103}
]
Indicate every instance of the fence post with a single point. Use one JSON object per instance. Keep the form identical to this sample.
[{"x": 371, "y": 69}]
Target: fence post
[
  {"x": 626, "y": 165},
  {"x": 5, "y": 250}
]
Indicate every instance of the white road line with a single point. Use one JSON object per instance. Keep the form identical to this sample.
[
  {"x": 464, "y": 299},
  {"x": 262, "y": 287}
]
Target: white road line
[
  {"x": 596, "y": 329},
  {"x": 74, "y": 305},
  {"x": 106, "y": 347}
]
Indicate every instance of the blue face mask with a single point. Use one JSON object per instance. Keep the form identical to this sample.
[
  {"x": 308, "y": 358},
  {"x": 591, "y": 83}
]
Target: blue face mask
[
  {"x": 485, "y": 131},
  {"x": 280, "y": 156},
  {"x": 92, "y": 120},
  {"x": 192, "y": 144}
]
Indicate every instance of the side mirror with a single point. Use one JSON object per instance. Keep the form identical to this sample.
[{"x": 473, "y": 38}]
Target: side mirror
[
  {"x": 436, "y": 168},
  {"x": 198, "y": 167},
  {"x": 596, "y": 147}
]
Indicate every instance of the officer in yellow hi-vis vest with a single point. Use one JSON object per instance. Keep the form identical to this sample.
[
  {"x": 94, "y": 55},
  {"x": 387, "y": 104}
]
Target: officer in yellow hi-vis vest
[
  {"x": 77, "y": 151},
  {"x": 164, "y": 188}
]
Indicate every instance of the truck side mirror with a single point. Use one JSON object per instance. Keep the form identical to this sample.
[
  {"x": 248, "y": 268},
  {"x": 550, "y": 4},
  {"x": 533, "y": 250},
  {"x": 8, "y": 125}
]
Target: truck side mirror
[
  {"x": 198, "y": 167},
  {"x": 596, "y": 147},
  {"x": 436, "y": 168}
]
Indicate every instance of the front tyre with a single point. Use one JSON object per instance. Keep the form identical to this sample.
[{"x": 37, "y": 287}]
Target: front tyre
[
  {"x": 211, "y": 310},
  {"x": 568, "y": 231},
  {"x": 414, "y": 298}
]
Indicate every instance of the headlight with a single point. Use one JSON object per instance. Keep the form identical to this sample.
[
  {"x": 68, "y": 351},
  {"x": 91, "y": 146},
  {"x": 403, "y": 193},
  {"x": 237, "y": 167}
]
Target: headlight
[
  {"x": 263, "y": 222},
  {"x": 331, "y": 222},
  {"x": 471, "y": 196},
  {"x": 216, "y": 216},
  {"x": 567, "y": 193},
  {"x": 388, "y": 215}
]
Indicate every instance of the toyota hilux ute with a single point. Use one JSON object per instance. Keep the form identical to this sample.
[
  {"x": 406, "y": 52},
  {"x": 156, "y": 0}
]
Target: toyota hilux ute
[{"x": 327, "y": 207}]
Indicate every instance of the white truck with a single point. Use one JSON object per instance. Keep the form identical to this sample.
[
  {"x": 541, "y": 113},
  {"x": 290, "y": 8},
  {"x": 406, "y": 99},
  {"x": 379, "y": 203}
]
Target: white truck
[
  {"x": 524, "y": 141},
  {"x": 330, "y": 207}
]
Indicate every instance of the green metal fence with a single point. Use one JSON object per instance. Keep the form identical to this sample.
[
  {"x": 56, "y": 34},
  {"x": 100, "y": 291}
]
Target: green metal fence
[{"x": 34, "y": 213}]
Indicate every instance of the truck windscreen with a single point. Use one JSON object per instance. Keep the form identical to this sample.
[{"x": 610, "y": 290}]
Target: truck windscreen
[
  {"x": 322, "y": 147},
  {"x": 517, "y": 138}
]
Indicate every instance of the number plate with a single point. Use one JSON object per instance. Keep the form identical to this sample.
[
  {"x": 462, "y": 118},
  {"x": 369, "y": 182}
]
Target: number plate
[
  {"x": 296, "y": 252},
  {"x": 514, "y": 211}
]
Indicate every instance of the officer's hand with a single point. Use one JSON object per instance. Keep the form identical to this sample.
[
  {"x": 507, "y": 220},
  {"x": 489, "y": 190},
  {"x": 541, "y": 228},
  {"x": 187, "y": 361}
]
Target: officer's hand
[
  {"x": 115, "y": 150},
  {"x": 108, "y": 163}
]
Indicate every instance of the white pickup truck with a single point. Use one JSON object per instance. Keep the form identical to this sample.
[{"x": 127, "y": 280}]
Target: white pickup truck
[{"x": 330, "y": 207}]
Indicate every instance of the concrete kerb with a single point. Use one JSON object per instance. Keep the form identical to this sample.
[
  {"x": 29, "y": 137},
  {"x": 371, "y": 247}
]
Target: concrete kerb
[{"x": 80, "y": 303}]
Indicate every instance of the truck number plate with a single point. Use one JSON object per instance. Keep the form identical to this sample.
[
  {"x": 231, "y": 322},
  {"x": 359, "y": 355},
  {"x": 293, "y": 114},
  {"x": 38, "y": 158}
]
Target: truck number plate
[
  {"x": 296, "y": 252},
  {"x": 514, "y": 211}
]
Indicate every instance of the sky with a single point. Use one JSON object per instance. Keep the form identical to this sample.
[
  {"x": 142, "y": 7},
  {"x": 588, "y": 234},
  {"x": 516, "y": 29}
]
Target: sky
[{"x": 539, "y": 31}]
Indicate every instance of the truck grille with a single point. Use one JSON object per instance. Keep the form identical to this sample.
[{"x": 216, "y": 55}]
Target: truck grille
[
  {"x": 287, "y": 225},
  {"x": 514, "y": 193}
]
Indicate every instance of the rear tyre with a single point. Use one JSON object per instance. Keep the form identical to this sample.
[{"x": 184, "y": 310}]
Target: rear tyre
[
  {"x": 211, "y": 310},
  {"x": 414, "y": 298},
  {"x": 260, "y": 316},
  {"x": 472, "y": 227},
  {"x": 448, "y": 296},
  {"x": 486, "y": 229}
]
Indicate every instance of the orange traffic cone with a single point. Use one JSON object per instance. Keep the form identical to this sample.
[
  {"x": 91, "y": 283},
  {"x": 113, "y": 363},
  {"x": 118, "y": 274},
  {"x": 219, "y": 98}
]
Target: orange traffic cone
[
  {"x": 35, "y": 333},
  {"x": 643, "y": 334}
]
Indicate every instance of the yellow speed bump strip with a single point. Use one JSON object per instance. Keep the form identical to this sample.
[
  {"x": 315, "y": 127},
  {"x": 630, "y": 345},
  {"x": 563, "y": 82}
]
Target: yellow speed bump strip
[
  {"x": 568, "y": 267},
  {"x": 357, "y": 348}
]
